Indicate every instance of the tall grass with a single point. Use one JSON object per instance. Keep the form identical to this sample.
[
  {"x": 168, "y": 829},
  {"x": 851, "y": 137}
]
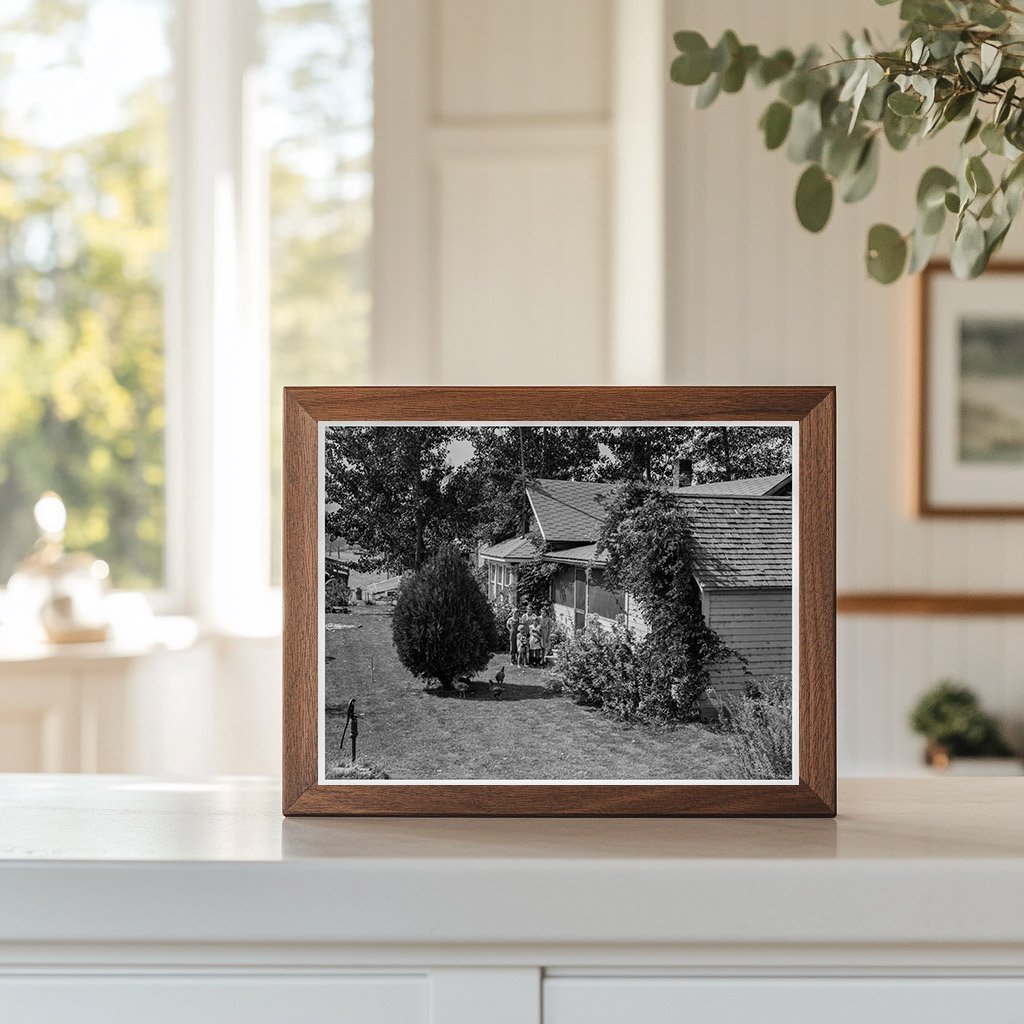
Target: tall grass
[{"x": 759, "y": 723}]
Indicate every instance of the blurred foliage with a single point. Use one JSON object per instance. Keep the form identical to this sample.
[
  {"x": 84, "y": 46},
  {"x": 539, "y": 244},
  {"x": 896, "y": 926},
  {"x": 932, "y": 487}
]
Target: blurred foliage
[
  {"x": 951, "y": 716},
  {"x": 82, "y": 232},
  {"x": 957, "y": 61},
  {"x": 83, "y": 238},
  {"x": 318, "y": 110}
]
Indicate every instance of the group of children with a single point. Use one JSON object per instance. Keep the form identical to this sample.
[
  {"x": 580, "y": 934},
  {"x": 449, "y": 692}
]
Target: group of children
[{"x": 529, "y": 635}]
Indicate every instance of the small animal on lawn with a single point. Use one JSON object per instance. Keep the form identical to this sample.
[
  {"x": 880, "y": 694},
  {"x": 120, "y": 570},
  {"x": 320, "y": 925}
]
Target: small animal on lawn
[
  {"x": 463, "y": 687},
  {"x": 499, "y": 676},
  {"x": 496, "y": 688}
]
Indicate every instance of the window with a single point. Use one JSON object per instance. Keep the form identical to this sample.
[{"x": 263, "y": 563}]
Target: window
[
  {"x": 317, "y": 120},
  {"x": 227, "y": 149},
  {"x": 83, "y": 238}
]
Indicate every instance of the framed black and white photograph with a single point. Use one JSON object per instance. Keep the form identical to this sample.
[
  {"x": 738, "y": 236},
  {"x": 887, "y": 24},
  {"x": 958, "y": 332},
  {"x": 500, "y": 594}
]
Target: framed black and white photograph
[
  {"x": 970, "y": 451},
  {"x": 557, "y": 608}
]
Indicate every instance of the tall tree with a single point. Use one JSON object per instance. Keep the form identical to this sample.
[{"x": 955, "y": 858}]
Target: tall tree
[
  {"x": 387, "y": 490},
  {"x": 506, "y": 459},
  {"x": 715, "y": 452}
]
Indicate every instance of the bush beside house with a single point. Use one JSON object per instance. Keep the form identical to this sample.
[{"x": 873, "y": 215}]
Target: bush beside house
[{"x": 443, "y": 626}]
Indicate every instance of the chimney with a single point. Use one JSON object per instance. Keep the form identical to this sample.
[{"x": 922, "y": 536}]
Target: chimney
[{"x": 682, "y": 472}]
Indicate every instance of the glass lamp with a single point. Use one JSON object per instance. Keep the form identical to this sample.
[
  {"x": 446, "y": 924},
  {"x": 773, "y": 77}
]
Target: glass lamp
[{"x": 54, "y": 595}]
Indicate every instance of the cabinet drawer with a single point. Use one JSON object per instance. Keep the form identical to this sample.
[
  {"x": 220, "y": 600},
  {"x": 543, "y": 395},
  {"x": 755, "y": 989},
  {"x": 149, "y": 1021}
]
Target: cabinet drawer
[
  {"x": 655, "y": 1000},
  {"x": 205, "y": 999}
]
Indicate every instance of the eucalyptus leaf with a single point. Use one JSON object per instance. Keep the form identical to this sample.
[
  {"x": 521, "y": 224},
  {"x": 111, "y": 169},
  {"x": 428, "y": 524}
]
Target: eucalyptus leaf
[
  {"x": 886, "y": 253},
  {"x": 973, "y": 130},
  {"x": 931, "y": 190},
  {"x": 993, "y": 138},
  {"x": 805, "y": 133},
  {"x": 903, "y": 103},
  {"x": 968, "y": 247},
  {"x": 771, "y": 69},
  {"x": 707, "y": 93},
  {"x": 922, "y": 248},
  {"x": 775, "y": 124},
  {"x": 814, "y": 196},
  {"x": 978, "y": 176},
  {"x": 865, "y": 173}
]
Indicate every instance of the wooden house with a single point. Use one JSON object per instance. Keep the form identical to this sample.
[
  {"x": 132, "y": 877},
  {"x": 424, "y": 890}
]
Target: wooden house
[{"x": 743, "y": 566}]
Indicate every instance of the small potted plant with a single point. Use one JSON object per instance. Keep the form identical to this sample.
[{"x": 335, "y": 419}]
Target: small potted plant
[{"x": 950, "y": 718}]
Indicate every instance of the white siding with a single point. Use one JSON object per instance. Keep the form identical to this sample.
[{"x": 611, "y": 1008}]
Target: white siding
[{"x": 758, "y": 626}]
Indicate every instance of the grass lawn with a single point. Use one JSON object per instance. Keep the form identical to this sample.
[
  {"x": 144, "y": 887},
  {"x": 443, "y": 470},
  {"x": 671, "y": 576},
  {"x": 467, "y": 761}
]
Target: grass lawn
[{"x": 529, "y": 734}]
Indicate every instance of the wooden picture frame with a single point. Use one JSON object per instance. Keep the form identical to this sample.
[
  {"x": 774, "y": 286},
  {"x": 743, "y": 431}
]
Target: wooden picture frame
[
  {"x": 933, "y": 477},
  {"x": 811, "y": 410}
]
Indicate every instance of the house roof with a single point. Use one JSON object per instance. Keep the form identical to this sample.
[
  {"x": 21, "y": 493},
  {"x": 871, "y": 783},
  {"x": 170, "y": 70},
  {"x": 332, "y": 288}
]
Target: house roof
[
  {"x": 568, "y": 510},
  {"x": 584, "y": 554},
  {"x": 513, "y": 549},
  {"x": 740, "y": 541},
  {"x": 754, "y": 485}
]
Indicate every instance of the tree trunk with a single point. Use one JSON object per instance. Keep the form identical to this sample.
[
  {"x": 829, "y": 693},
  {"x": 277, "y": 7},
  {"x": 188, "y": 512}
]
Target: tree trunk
[
  {"x": 726, "y": 457},
  {"x": 417, "y": 499}
]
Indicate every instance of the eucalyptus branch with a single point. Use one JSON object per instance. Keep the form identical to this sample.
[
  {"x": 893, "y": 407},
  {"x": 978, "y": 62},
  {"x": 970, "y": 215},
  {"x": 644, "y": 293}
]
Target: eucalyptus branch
[{"x": 954, "y": 60}]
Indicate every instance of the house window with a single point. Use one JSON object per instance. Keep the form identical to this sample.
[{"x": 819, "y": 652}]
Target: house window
[
  {"x": 600, "y": 601},
  {"x": 84, "y": 171}
]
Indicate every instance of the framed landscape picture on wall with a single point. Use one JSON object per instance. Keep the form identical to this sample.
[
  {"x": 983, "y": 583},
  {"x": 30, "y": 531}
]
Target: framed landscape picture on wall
[
  {"x": 559, "y": 601},
  {"x": 970, "y": 444}
]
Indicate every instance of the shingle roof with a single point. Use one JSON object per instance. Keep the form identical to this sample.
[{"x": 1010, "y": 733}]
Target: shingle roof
[
  {"x": 740, "y": 541},
  {"x": 513, "y": 548},
  {"x": 754, "y": 485},
  {"x": 568, "y": 510},
  {"x": 585, "y": 554}
]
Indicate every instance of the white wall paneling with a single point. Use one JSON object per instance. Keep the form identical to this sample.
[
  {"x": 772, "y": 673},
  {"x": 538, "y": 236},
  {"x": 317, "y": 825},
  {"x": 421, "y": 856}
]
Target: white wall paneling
[
  {"x": 518, "y": 192},
  {"x": 751, "y": 298}
]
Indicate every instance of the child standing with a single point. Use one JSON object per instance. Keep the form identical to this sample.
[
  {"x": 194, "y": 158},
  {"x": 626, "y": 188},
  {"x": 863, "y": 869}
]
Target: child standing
[
  {"x": 535, "y": 642},
  {"x": 523, "y": 638},
  {"x": 512, "y": 625}
]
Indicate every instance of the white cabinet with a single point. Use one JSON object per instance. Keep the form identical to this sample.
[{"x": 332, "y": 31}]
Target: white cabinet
[
  {"x": 127, "y": 899},
  {"x": 661, "y": 1000},
  {"x": 202, "y": 999}
]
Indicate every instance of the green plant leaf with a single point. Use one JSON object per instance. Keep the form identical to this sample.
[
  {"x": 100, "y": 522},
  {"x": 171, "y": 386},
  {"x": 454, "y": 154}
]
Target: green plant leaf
[
  {"x": 922, "y": 247},
  {"x": 904, "y": 103},
  {"x": 693, "y": 65},
  {"x": 978, "y": 176},
  {"x": 931, "y": 191},
  {"x": 794, "y": 89},
  {"x": 814, "y": 195},
  {"x": 993, "y": 138},
  {"x": 968, "y": 255},
  {"x": 987, "y": 15},
  {"x": 775, "y": 124},
  {"x": 952, "y": 202},
  {"x": 886, "y": 254},
  {"x": 771, "y": 69},
  {"x": 725, "y": 49},
  {"x": 865, "y": 173},
  {"x": 973, "y": 130},
  {"x": 707, "y": 93},
  {"x": 805, "y": 133},
  {"x": 735, "y": 74}
]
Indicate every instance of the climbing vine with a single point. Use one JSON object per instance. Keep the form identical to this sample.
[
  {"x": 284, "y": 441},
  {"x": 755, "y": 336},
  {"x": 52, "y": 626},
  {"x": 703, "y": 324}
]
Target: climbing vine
[{"x": 650, "y": 553}]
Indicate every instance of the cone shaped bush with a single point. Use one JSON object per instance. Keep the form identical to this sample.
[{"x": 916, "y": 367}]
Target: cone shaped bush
[{"x": 443, "y": 626}]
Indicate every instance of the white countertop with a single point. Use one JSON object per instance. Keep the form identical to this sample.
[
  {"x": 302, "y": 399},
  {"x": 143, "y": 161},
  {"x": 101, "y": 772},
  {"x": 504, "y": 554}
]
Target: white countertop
[{"x": 121, "y": 859}]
